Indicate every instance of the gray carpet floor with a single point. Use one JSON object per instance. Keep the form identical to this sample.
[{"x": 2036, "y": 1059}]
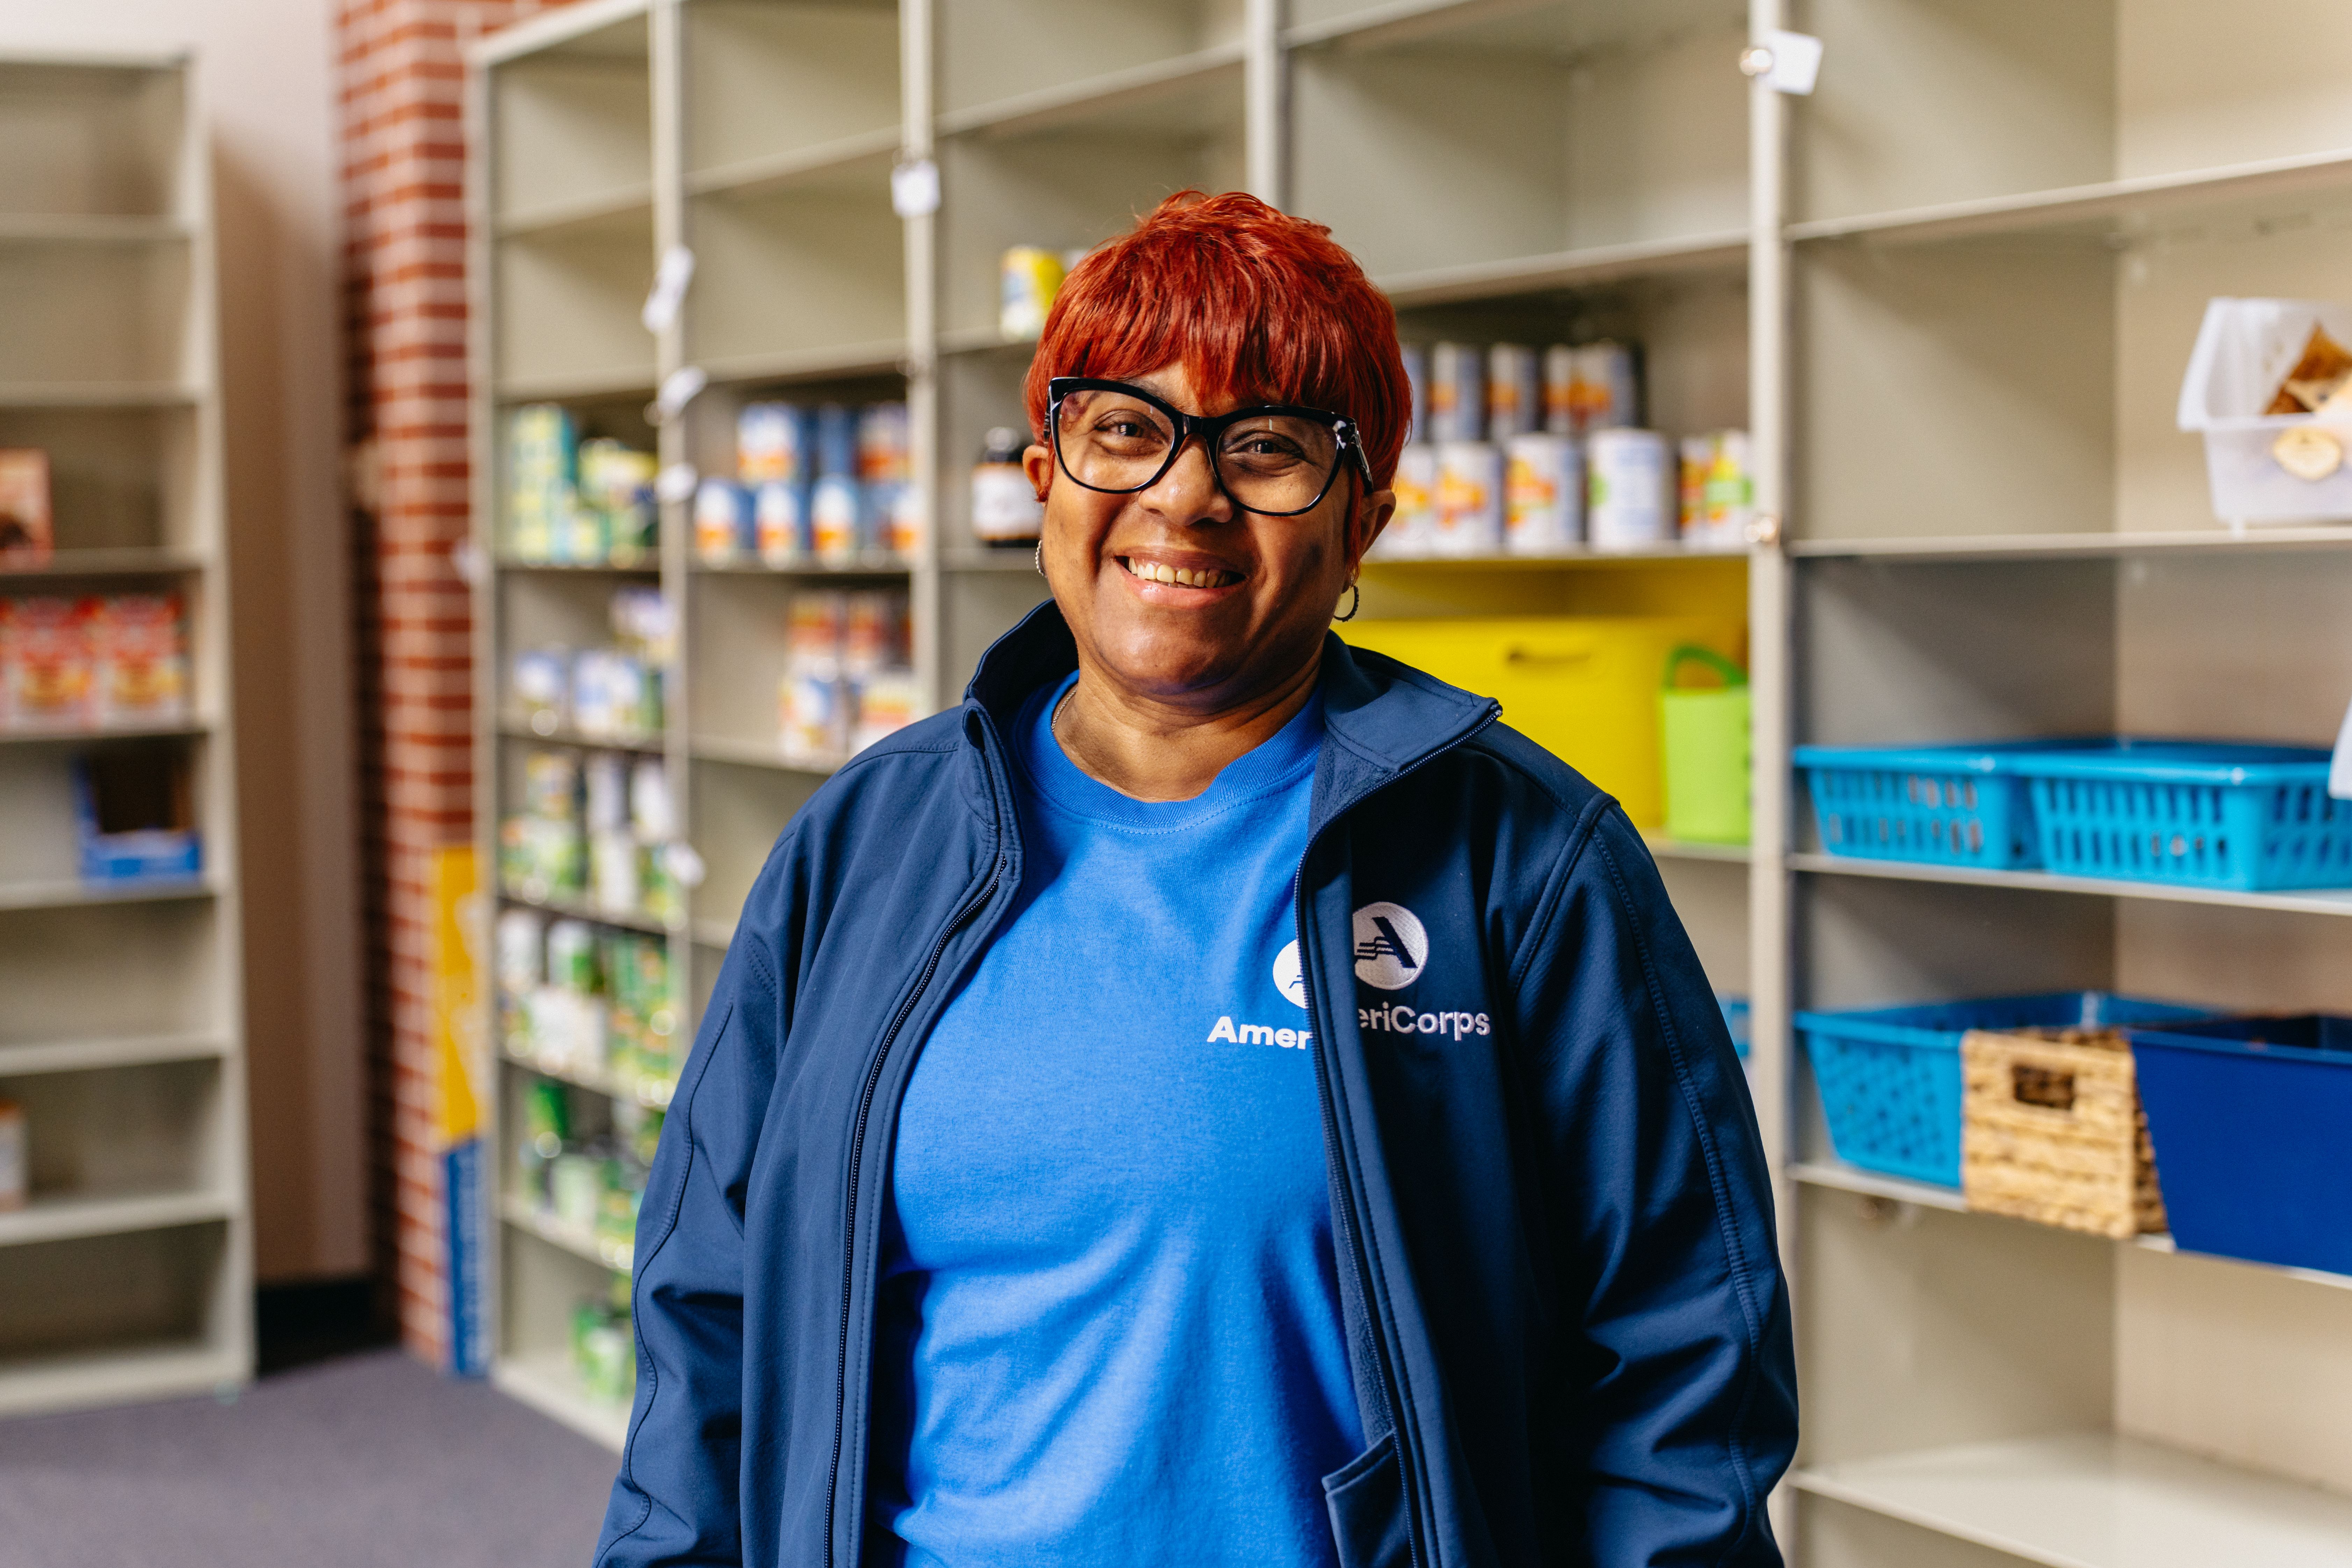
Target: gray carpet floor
[{"x": 373, "y": 1460}]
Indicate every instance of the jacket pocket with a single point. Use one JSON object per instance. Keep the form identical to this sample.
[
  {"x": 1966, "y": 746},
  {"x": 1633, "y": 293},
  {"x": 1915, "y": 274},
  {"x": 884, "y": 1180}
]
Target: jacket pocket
[{"x": 1366, "y": 1497}]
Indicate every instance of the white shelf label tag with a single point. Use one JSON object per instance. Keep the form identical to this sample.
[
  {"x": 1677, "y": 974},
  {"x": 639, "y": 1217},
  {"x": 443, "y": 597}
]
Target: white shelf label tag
[
  {"x": 915, "y": 188},
  {"x": 466, "y": 560},
  {"x": 679, "y": 388},
  {"x": 2339, "y": 769},
  {"x": 1788, "y": 62},
  {"x": 677, "y": 482},
  {"x": 668, "y": 292}
]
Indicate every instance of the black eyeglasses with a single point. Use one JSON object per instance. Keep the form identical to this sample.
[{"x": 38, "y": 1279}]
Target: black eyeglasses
[{"x": 1276, "y": 460}]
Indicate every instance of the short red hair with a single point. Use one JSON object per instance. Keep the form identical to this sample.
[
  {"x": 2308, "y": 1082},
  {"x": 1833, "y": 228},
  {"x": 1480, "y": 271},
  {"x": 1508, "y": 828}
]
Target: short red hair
[{"x": 1254, "y": 303}]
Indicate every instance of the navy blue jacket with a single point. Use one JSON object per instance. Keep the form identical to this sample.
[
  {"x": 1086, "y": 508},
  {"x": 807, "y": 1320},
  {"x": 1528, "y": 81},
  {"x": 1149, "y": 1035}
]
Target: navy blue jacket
[{"x": 1565, "y": 1312}]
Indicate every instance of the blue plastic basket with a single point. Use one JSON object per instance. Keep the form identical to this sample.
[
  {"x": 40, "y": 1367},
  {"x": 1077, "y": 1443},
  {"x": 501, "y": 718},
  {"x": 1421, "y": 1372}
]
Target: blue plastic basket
[
  {"x": 1735, "y": 1020},
  {"x": 2199, "y": 814},
  {"x": 1943, "y": 806},
  {"x": 2251, "y": 1120},
  {"x": 1890, "y": 1077}
]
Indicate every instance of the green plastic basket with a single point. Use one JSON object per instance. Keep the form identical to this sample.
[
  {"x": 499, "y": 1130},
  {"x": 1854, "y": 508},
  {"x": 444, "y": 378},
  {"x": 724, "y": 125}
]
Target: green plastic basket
[{"x": 1703, "y": 732}]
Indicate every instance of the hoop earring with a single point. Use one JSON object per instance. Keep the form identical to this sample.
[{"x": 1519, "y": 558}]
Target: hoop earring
[
  {"x": 1355, "y": 603},
  {"x": 1040, "y": 558}
]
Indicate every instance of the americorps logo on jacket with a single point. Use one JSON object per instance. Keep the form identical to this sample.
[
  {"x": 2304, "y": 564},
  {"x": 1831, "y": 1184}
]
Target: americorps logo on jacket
[
  {"x": 1393, "y": 952},
  {"x": 1390, "y": 946}
]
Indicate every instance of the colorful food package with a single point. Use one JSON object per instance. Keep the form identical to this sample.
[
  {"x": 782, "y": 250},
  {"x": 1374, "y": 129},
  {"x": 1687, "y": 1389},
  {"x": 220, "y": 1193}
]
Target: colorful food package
[
  {"x": 138, "y": 658},
  {"x": 44, "y": 664},
  {"x": 2321, "y": 374},
  {"x": 25, "y": 539}
]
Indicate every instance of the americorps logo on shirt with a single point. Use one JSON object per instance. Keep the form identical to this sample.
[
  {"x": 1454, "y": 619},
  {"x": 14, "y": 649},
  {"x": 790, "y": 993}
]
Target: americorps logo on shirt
[{"x": 1290, "y": 979}]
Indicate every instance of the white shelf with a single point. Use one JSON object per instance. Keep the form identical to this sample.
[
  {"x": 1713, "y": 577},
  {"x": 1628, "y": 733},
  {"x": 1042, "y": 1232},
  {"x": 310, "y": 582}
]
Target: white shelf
[
  {"x": 1577, "y": 559},
  {"x": 643, "y": 1091},
  {"x": 649, "y": 567},
  {"x": 129, "y": 1050},
  {"x": 2103, "y": 204},
  {"x": 620, "y": 381},
  {"x": 68, "y": 1217},
  {"x": 1394, "y": 18},
  {"x": 514, "y": 730},
  {"x": 2315, "y": 901},
  {"x": 132, "y": 1293},
  {"x": 52, "y": 737},
  {"x": 832, "y": 362},
  {"x": 575, "y": 909},
  {"x": 98, "y": 395},
  {"x": 1664, "y": 848},
  {"x": 2094, "y": 1501},
  {"x": 1568, "y": 269},
  {"x": 130, "y": 562},
  {"x": 552, "y": 29},
  {"x": 2079, "y": 546},
  {"x": 783, "y": 169},
  {"x": 581, "y": 1244},
  {"x": 137, "y": 1375},
  {"x": 757, "y": 754},
  {"x": 545, "y": 1381},
  {"x": 1836, "y": 1173},
  {"x": 603, "y": 209},
  {"x": 81, "y": 895},
  {"x": 1116, "y": 91},
  {"x": 875, "y": 563},
  {"x": 91, "y": 228}
]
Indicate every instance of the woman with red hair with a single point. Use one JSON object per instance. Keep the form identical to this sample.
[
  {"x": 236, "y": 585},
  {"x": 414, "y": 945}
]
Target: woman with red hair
[{"x": 1214, "y": 1097}]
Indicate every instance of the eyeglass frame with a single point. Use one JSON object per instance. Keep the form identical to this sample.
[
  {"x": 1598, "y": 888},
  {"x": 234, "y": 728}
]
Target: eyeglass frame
[{"x": 1208, "y": 427}]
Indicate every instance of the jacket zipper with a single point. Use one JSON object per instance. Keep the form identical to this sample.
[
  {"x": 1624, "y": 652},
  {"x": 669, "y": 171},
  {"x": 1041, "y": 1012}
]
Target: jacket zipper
[
  {"x": 1343, "y": 1212},
  {"x": 971, "y": 907}
]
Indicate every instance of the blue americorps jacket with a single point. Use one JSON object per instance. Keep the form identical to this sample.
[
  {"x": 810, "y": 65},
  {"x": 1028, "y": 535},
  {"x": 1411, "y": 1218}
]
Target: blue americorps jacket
[{"x": 1565, "y": 1314}]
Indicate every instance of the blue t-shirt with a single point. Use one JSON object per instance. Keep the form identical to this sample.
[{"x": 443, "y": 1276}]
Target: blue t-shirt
[{"x": 1109, "y": 1324}]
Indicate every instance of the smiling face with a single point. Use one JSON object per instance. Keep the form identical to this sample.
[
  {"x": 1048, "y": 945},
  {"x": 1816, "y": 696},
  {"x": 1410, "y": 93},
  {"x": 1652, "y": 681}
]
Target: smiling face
[{"x": 1176, "y": 597}]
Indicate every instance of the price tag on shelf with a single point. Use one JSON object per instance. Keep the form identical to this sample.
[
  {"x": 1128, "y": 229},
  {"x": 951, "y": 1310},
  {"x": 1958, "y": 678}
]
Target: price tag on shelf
[
  {"x": 679, "y": 388},
  {"x": 915, "y": 188},
  {"x": 1788, "y": 62},
  {"x": 668, "y": 292}
]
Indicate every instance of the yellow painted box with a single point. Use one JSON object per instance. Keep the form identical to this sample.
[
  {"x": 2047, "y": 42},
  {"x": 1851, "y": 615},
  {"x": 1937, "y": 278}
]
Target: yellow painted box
[{"x": 1585, "y": 687}]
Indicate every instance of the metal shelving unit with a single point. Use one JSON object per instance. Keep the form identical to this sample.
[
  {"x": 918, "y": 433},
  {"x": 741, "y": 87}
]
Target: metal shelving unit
[
  {"x": 1989, "y": 263},
  {"x": 129, "y": 1274},
  {"x": 762, "y": 134}
]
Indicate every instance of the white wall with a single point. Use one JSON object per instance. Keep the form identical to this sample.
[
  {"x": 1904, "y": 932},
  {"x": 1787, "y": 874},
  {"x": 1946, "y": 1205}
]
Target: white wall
[{"x": 266, "y": 70}]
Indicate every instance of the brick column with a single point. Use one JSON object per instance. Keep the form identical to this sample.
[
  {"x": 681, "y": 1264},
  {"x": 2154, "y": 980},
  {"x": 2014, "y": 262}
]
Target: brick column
[{"x": 403, "y": 87}]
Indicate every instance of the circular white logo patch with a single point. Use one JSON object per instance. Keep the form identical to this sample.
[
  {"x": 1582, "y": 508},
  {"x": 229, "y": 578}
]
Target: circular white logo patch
[
  {"x": 1288, "y": 978},
  {"x": 1390, "y": 946}
]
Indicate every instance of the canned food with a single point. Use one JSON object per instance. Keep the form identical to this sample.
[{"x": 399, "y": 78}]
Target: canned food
[
  {"x": 1627, "y": 489},
  {"x": 1514, "y": 390},
  {"x": 1457, "y": 392},
  {"x": 1543, "y": 495},
  {"x": 1469, "y": 498}
]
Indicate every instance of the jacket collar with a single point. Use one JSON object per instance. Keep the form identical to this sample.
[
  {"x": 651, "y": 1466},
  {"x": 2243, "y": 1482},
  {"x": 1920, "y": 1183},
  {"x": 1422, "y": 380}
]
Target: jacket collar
[{"x": 1381, "y": 719}]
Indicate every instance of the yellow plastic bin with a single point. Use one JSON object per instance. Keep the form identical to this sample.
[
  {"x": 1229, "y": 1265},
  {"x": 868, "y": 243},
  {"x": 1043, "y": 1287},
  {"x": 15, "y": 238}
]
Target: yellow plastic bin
[{"x": 1583, "y": 686}]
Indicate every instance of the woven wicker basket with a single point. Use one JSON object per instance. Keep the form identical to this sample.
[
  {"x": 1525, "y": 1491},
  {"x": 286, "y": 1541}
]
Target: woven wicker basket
[{"x": 2054, "y": 1132}]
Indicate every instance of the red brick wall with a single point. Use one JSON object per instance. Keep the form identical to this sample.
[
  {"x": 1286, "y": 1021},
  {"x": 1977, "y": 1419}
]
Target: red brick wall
[{"x": 404, "y": 159}]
